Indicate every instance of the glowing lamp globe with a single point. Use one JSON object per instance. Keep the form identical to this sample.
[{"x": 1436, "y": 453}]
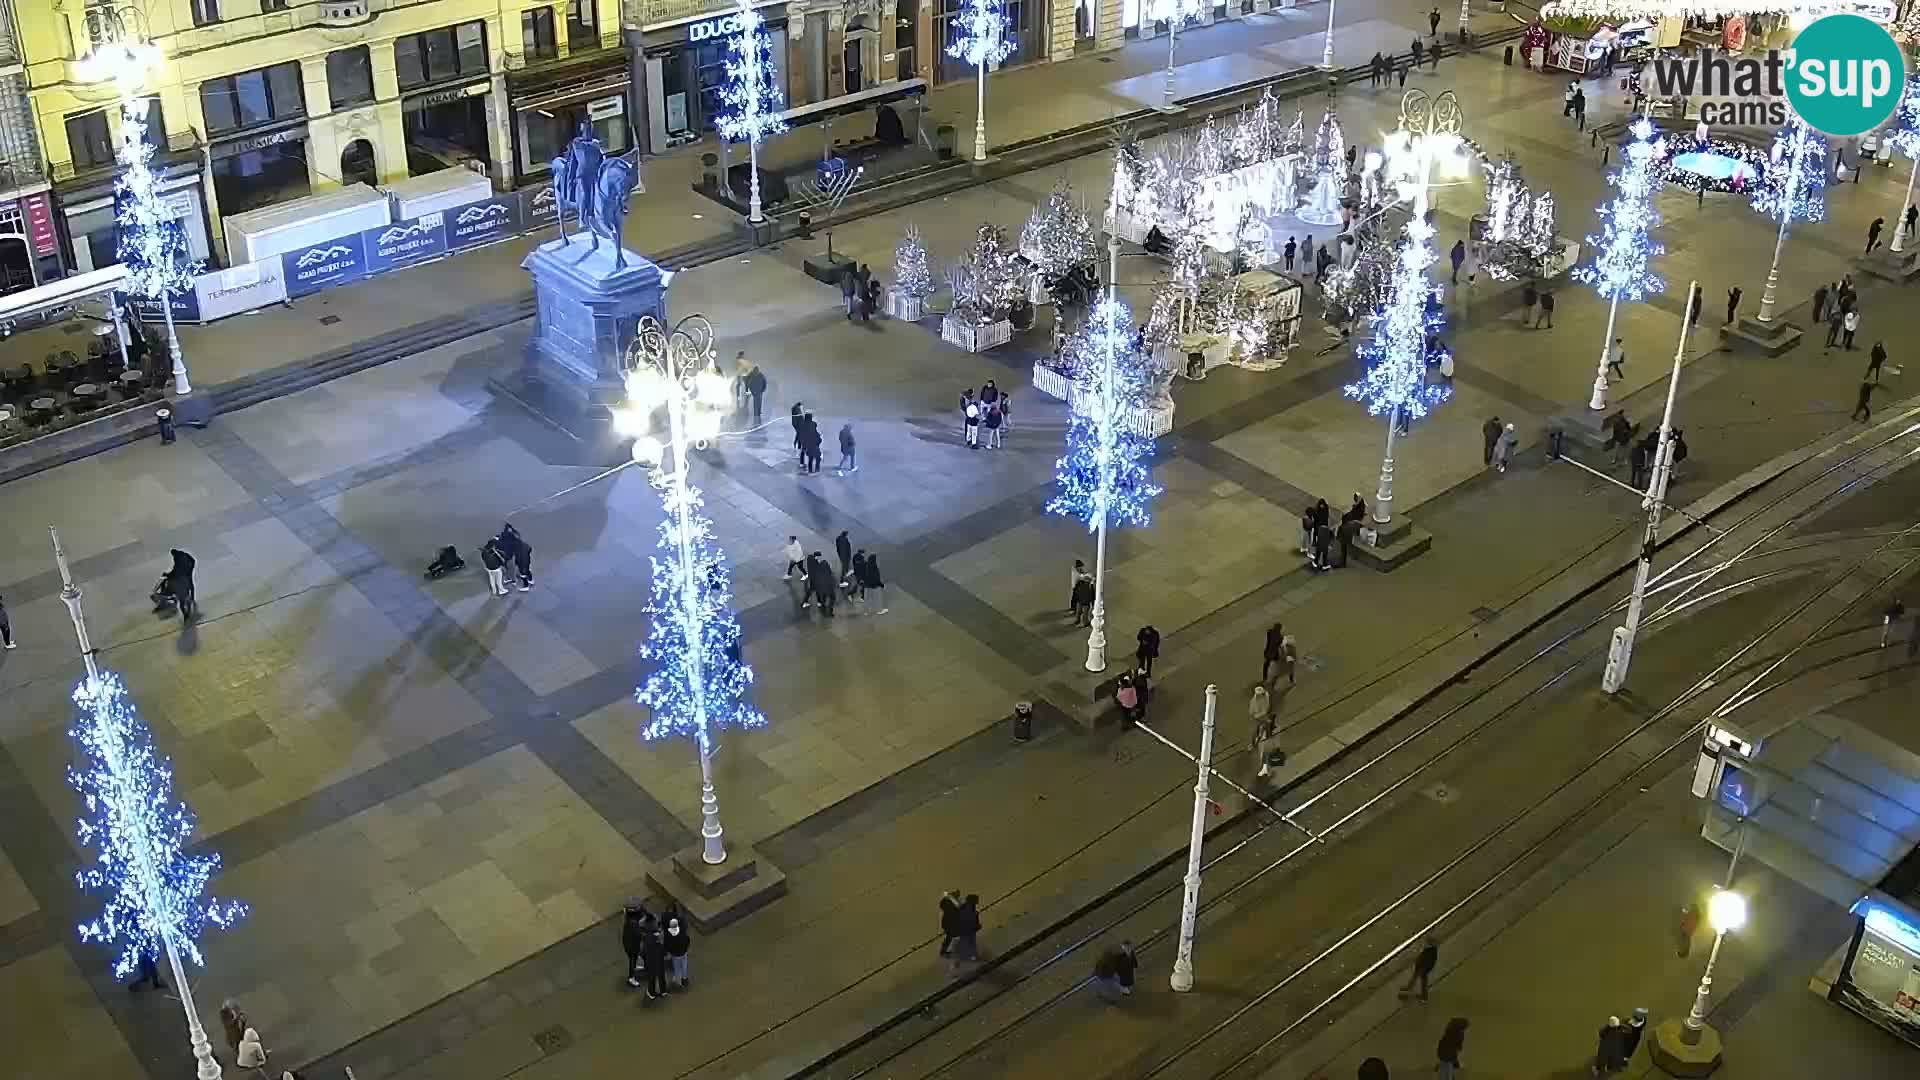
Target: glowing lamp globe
[
  {"x": 713, "y": 388},
  {"x": 1726, "y": 911},
  {"x": 647, "y": 451},
  {"x": 645, "y": 388}
]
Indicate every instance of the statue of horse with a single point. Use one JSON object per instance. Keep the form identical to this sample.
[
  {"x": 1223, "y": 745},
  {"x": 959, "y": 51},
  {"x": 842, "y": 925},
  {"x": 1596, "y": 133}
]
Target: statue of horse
[{"x": 617, "y": 183}]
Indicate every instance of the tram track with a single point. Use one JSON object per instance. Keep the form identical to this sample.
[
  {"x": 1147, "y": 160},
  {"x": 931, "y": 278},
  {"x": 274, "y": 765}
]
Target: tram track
[{"x": 916, "y": 1051}]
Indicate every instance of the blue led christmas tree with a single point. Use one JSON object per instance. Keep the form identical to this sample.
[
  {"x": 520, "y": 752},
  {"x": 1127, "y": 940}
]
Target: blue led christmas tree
[
  {"x": 1103, "y": 479},
  {"x": 752, "y": 96},
  {"x": 1904, "y": 137},
  {"x": 1623, "y": 249},
  {"x": 154, "y": 893},
  {"x": 980, "y": 38},
  {"x": 1796, "y": 176}
]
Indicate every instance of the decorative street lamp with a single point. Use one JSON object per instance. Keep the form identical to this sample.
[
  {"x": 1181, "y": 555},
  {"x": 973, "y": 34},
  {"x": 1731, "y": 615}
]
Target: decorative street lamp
[
  {"x": 1177, "y": 13},
  {"x": 752, "y": 96},
  {"x": 1791, "y": 188},
  {"x": 1905, "y": 137},
  {"x": 1182, "y": 977},
  {"x": 699, "y": 681},
  {"x": 1395, "y": 385},
  {"x": 1622, "y": 250},
  {"x": 980, "y": 38},
  {"x": 1326, "y": 50},
  {"x": 1726, "y": 912},
  {"x": 155, "y": 893}
]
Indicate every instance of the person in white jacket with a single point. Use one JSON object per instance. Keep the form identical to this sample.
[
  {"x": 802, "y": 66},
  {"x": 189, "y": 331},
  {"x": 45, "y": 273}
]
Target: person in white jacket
[{"x": 251, "y": 1054}]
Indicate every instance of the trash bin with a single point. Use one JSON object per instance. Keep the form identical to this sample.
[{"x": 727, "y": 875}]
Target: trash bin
[
  {"x": 1022, "y": 721},
  {"x": 1509, "y": 60},
  {"x": 944, "y": 140},
  {"x": 710, "y": 171},
  {"x": 806, "y": 225},
  {"x": 164, "y": 419}
]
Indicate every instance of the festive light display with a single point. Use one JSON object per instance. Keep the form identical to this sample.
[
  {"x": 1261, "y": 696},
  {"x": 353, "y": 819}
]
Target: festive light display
[
  {"x": 150, "y": 243},
  {"x": 989, "y": 282},
  {"x": 1623, "y": 249},
  {"x": 1715, "y": 165},
  {"x": 1796, "y": 175},
  {"x": 1103, "y": 478},
  {"x": 912, "y": 274},
  {"x": 1365, "y": 284},
  {"x": 1058, "y": 238},
  {"x": 1620, "y": 10},
  {"x": 1904, "y": 134},
  {"x": 1520, "y": 242},
  {"x": 697, "y": 685},
  {"x": 980, "y": 34},
  {"x": 155, "y": 894},
  {"x": 1395, "y": 384},
  {"x": 751, "y": 98},
  {"x": 1329, "y": 147}
]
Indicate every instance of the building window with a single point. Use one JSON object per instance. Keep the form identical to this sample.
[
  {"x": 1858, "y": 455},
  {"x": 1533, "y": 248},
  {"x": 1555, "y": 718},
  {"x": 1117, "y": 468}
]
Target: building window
[
  {"x": 205, "y": 12},
  {"x": 349, "y": 76},
  {"x": 583, "y": 25},
  {"x": 252, "y": 98},
  {"x": 267, "y": 6},
  {"x": 87, "y": 135},
  {"x": 451, "y": 52},
  {"x": 536, "y": 33}
]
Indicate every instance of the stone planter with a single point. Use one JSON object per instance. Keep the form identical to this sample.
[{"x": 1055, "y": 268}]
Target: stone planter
[{"x": 975, "y": 337}]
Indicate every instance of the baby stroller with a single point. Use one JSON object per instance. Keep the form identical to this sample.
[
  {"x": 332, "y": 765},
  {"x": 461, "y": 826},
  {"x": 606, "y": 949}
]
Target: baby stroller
[
  {"x": 162, "y": 596},
  {"x": 444, "y": 563}
]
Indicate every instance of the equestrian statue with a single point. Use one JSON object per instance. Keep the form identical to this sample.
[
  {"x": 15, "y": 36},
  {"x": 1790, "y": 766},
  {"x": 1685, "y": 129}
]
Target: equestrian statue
[{"x": 595, "y": 190}]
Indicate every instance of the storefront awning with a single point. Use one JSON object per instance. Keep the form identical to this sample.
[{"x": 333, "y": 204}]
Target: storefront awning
[
  {"x": 54, "y": 294},
  {"x": 857, "y": 102}
]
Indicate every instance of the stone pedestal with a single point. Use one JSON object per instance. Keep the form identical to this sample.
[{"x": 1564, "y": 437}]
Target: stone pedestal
[
  {"x": 587, "y": 315},
  {"x": 1887, "y": 266},
  {"x": 1771, "y": 338},
  {"x": 713, "y": 896},
  {"x": 1671, "y": 1051},
  {"x": 1584, "y": 426},
  {"x": 1392, "y": 545}
]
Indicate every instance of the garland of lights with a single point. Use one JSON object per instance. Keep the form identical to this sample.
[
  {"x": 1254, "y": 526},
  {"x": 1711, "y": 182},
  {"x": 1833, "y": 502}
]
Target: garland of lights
[
  {"x": 1904, "y": 134},
  {"x": 155, "y": 893},
  {"x": 1058, "y": 238},
  {"x": 912, "y": 273},
  {"x": 1623, "y": 250},
  {"x": 1709, "y": 9},
  {"x": 1103, "y": 477}
]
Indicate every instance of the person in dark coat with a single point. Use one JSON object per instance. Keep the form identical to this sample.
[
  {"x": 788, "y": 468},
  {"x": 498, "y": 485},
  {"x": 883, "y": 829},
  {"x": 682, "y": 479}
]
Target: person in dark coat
[
  {"x": 797, "y": 413},
  {"x": 849, "y": 287},
  {"x": 1640, "y": 462},
  {"x": 1373, "y": 1069},
  {"x": 820, "y": 579},
  {"x": 1876, "y": 358},
  {"x": 1862, "y": 409},
  {"x": 809, "y": 444},
  {"x": 1820, "y": 304},
  {"x": 1458, "y": 256},
  {"x": 1358, "y": 511},
  {"x": 180, "y": 580},
  {"x": 515, "y": 545},
  {"x": 148, "y": 973},
  {"x": 1630, "y": 1039},
  {"x": 1347, "y": 533},
  {"x": 496, "y": 564},
  {"x": 1447, "y": 1051},
  {"x": 966, "y": 937},
  {"x": 1490, "y": 432},
  {"x": 633, "y": 931},
  {"x": 1270, "y": 653},
  {"x": 871, "y": 582},
  {"x": 1083, "y": 602},
  {"x": 1322, "y": 545},
  {"x": 849, "y": 455},
  {"x": 843, "y": 547},
  {"x": 1607, "y": 1058},
  {"x": 755, "y": 382},
  {"x": 1733, "y": 303},
  {"x": 1148, "y": 649},
  {"x": 1113, "y": 972},
  {"x": 653, "y": 953},
  {"x": 6, "y": 628},
  {"x": 949, "y": 919},
  {"x": 1422, "y": 972}
]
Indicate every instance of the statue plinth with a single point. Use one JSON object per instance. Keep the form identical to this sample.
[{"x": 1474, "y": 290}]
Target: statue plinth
[{"x": 587, "y": 311}]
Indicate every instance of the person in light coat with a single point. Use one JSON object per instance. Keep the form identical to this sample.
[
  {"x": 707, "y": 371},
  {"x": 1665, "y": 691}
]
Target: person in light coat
[
  {"x": 251, "y": 1055},
  {"x": 1503, "y": 450}
]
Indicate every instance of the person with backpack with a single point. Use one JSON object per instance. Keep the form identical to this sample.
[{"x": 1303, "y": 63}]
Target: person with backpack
[
  {"x": 966, "y": 937},
  {"x": 496, "y": 565}
]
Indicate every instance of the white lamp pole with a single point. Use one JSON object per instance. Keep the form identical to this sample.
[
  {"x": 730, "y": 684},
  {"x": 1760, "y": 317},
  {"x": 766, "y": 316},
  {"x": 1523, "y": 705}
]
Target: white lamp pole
[
  {"x": 1726, "y": 911},
  {"x": 1786, "y": 217},
  {"x": 1620, "y": 648},
  {"x": 1326, "y": 50},
  {"x": 206, "y": 1066},
  {"x": 1174, "y": 20},
  {"x": 1466, "y": 12},
  {"x": 1097, "y": 632},
  {"x": 713, "y": 848},
  {"x": 1900, "y": 221},
  {"x": 980, "y": 115},
  {"x": 1182, "y": 977}
]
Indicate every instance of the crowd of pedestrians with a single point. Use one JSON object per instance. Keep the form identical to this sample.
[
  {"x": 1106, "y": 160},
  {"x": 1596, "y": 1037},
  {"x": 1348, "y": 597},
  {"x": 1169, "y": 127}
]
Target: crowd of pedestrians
[{"x": 815, "y": 585}]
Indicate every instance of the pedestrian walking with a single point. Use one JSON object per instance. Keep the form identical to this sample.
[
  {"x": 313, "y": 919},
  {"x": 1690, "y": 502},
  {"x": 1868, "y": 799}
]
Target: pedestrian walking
[
  {"x": 1566, "y": 99},
  {"x": 1617, "y": 359},
  {"x": 1873, "y": 234},
  {"x": 1073, "y": 582},
  {"x": 820, "y": 577},
  {"x": 872, "y": 582},
  {"x": 1912, "y": 214},
  {"x": 1490, "y": 434},
  {"x": 678, "y": 944},
  {"x": 1147, "y": 649},
  {"x": 1637, "y": 463},
  {"x": 1434, "y": 54},
  {"x": 1580, "y": 109},
  {"x": 1733, "y": 304},
  {"x": 1820, "y": 303},
  {"x": 633, "y": 929},
  {"x": 796, "y": 557},
  {"x": 1113, "y": 972},
  {"x": 6, "y": 627},
  {"x": 1894, "y": 613},
  {"x": 971, "y": 412},
  {"x": 1834, "y": 322},
  {"x": 496, "y": 567},
  {"x": 1447, "y": 1052},
  {"x": 966, "y": 399},
  {"x": 1306, "y": 252},
  {"x": 1849, "y": 326},
  {"x": 233, "y": 1023},
  {"x": 1289, "y": 657},
  {"x": 1422, "y": 972},
  {"x": 1688, "y": 925},
  {"x": 849, "y": 287},
  {"x": 849, "y": 459},
  {"x": 1286, "y": 253},
  {"x": 1694, "y": 303},
  {"x": 1606, "y": 1055},
  {"x": 1457, "y": 256},
  {"x": 1270, "y": 652},
  {"x": 810, "y": 447},
  {"x": 843, "y": 549},
  {"x": 1083, "y": 601},
  {"x": 1676, "y": 455},
  {"x": 1419, "y": 52},
  {"x": 653, "y": 954},
  {"x": 949, "y": 919},
  {"x": 1433, "y": 23},
  {"x": 796, "y": 414},
  {"x": 513, "y": 544},
  {"x": 755, "y": 382},
  {"x": 1876, "y": 358},
  {"x": 1404, "y": 68},
  {"x": 180, "y": 581},
  {"x": 1529, "y": 296},
  {"x": 1503, "y": 453},
  {"x": 1546, "y": 310},
  {"x": 1630, "y": 1039},
  {"x": 1863, "y": 408},
  {"x": 863, "y": 292},
  {"x": 1619, "y": 435},
  {"x": 966, "y": 938}
]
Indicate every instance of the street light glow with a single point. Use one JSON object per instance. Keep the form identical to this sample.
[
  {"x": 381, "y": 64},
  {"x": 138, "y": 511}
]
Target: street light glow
[{"x": 1726, "y": 911}]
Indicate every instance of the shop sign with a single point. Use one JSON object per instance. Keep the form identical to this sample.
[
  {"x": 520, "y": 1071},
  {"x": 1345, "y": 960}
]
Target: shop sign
[
  {"x": 39, "y": 214},
  {"x": 240, "y": 288},
  {"x": 482, "y": 222},
  {"x": 310, "y": 269},
  {"x": 236, "y": 147},
  {"x": 709, "y": 29},
  {"x": 538, "y": 207},
  {"x": 408, "y": 240},
  {"x": 442, "y": 97},
  {"x": 186, "y": 307},
  {"x": 602, "y": 108}
]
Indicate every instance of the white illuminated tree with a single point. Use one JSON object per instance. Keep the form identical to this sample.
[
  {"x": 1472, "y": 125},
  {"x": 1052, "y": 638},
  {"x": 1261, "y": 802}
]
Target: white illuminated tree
[
  {"x": 1905, "y": 138},
  {"x": 980, "y": 38},
  {"x": 149, "y": 241},
  {"x": 752, "y": 96},
  {"x": 1796, "y": 173},
  {"x": 1623, "y": 250}
]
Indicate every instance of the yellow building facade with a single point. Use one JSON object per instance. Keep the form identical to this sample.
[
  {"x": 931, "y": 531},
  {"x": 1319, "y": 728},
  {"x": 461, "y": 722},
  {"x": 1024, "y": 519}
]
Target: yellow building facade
[{"x": 264, "y": 101}]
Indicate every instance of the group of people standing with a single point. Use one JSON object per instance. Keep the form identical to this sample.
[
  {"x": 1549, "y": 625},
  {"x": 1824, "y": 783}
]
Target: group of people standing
[
  {"x": 959, "y": 928},
  {"x": 806, "y": 440},
  {"x": 1842, "y": 314},
  {"x": 507, "y": 551},
  {"x": 992, "y": 412},
  {"x": 656, "y": 949},
  {"x": 1317, "y": 533},
  {"x": 861, "y": 292},
  {"x": 1500, "y": 439},
  {"x": 815, "y": 584}
]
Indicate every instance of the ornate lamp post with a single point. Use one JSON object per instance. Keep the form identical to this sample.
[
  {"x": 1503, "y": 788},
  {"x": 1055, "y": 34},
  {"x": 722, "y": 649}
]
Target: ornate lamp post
[
  {"x": 1326, "y": 50},
  {"x": 980, "y": 38},
  {"x": 699, "y": 682},
  {"x": 1796, "y": 193},
  {"x": 1726, "y": 912}
]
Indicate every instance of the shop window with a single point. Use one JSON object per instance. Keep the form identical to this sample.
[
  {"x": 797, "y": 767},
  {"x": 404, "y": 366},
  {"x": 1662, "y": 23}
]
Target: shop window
[
  {"x": 545, "y": 132},
  {"x": 450, "y": 52},
  {"x": 536, "y": 34},
  {"x": 349, "y": 76},
  {"x": 906, "y": 34},
  {"x": 252, "y": 97},
  {"x": 263, "y": 177},
  {"x": 87, "y": 135},
  {"x": 205, "y": 12},
  {"x": 583, "y": 25}
]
